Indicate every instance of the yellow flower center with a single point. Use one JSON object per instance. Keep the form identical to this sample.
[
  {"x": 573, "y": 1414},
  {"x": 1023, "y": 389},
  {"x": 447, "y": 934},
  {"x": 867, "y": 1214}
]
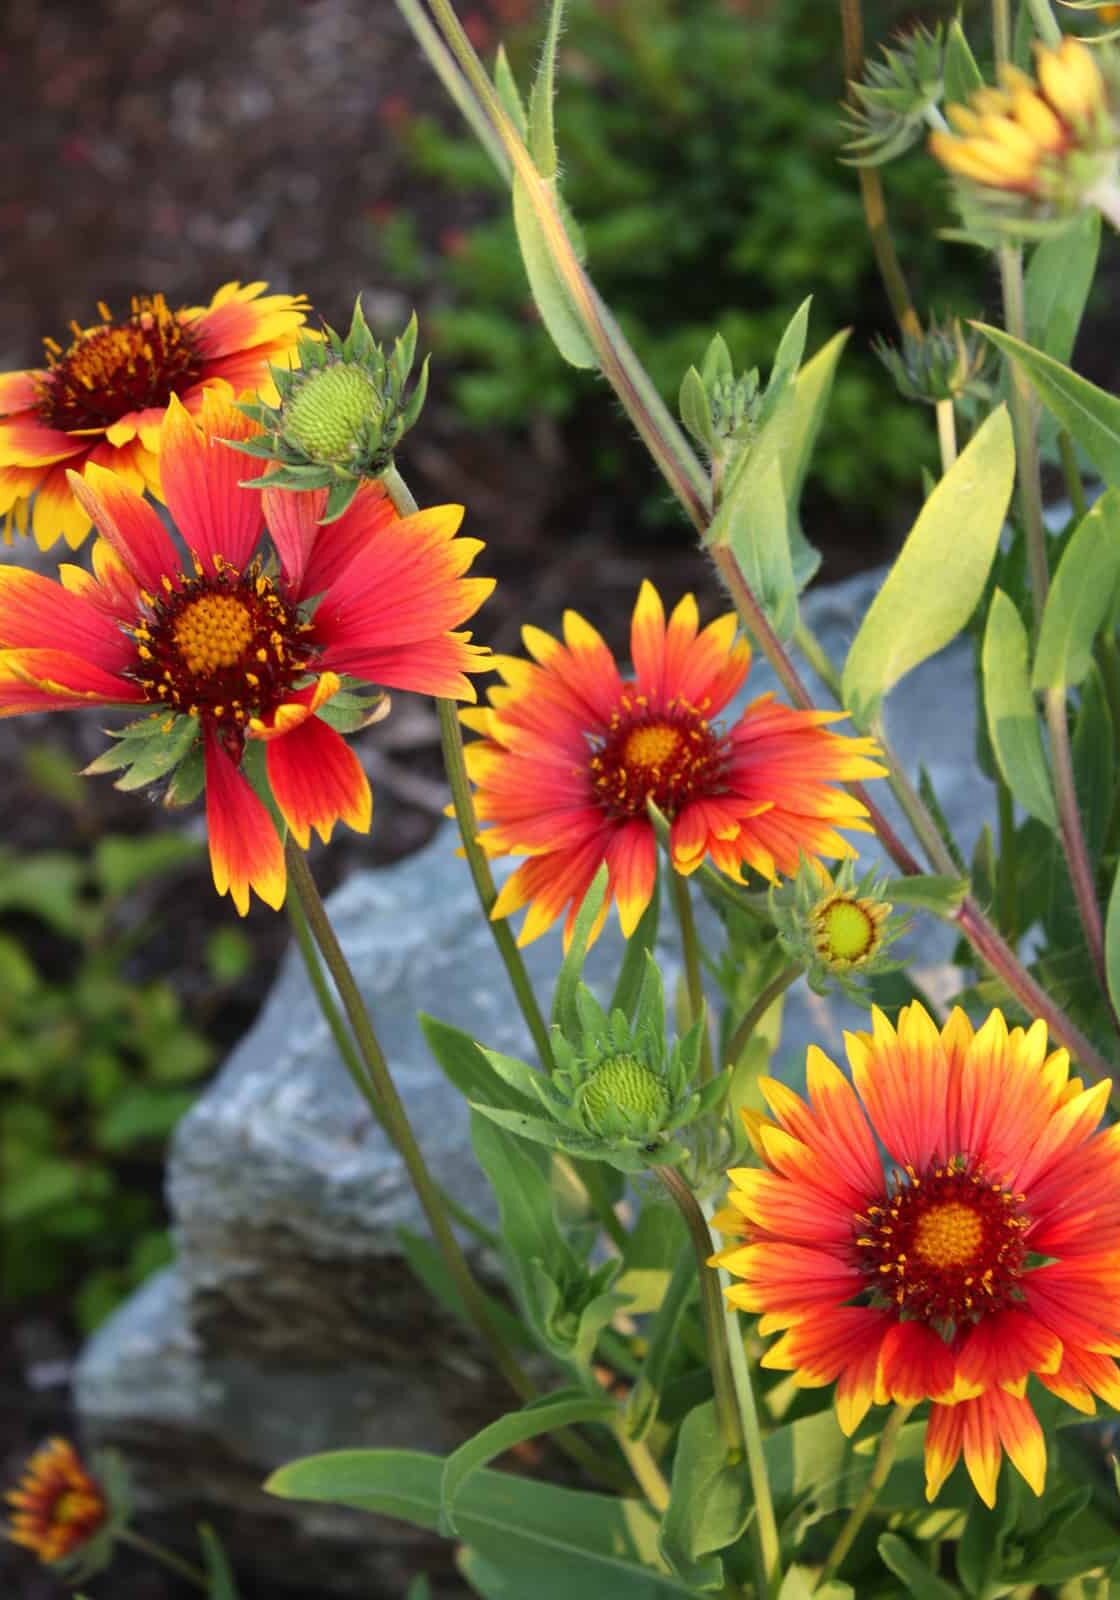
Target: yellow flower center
[
  {"x": 949, "y": 1235},
  {"x": 119, "y": 367},
  {"x": 846, "y": 931},
  {"x": 667, "y": 758},
  {"x": 212, "y": 632},
  {"x": 651, "y": 746}
]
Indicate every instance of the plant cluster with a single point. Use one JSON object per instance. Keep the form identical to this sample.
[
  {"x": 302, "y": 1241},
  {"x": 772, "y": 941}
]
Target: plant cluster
[{"x": 804, "y": 1334}]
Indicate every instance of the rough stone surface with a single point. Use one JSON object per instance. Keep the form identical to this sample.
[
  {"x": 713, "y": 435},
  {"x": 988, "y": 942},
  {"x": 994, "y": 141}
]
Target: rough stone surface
[{"x": 291, "y": 1322}]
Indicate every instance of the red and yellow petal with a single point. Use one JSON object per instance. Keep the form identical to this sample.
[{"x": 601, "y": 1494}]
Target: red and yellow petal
[
  {"x": 56, "y": 513},
  {"x": 36, "y": 613},
  {"x": 27, "y": 441},
  {"x": 1082, "y": 1375},
  {"x": 20, "y": 391},
  {"x": 54, "y": 680},
  {"x": 1004, "y": 1348},
  {"x": 129, "y": 525},
  {"x": 915, "y": 1364},
  {"x": 240, "y": 318},
  {"x": 245, "y": 849},
  {"x": 200, "y": 477},
  {"x": 317, "y": 780}
]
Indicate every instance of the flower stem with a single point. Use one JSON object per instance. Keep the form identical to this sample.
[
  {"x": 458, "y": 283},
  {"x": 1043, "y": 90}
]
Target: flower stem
[
  {"x": 694, "y": 978},
  {"x": 1072, "y": 474},
  {"x": 756, "y": 1456},
  {"x": 166, "y": 1558},
  {"x": 857, "y": 1516},
  {"x": 395, "y": 1121},
  {"x": 758, "y": 1009},
  {"x": 871, "y": 189},
  {"x": 1024, "y": 422},
  {"x": 647, "y": 1474},
  {"x": 946, "y": 434}
]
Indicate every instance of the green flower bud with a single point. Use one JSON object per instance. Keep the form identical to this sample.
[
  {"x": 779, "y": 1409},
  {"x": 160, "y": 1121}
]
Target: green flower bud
[
  {"x": 623, "y": 1083},
  {"x": 330, "y": 411}
]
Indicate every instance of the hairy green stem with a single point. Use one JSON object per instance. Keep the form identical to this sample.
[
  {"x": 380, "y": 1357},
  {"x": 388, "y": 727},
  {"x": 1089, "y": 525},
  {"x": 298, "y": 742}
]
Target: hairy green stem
[
  {"x": 1005, "y": 871},
  {"x": 166, "y": 1558},
  {"x": 647, "y": 1474},
  {"x": 454, "y": 82},
  {"x": 759, "y": 1007},
  {"x": 857, "y": 1516},
  {"x": 770, "y": 1544},
  {"x": 694, "y": 978}
]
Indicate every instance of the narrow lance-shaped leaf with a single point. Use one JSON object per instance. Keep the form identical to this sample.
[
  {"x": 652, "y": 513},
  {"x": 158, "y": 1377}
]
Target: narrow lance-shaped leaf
[
  {"x": 564, "y": 999},
  {"x": 549, "y": 291},
  {"x": 934, "y": 586},
  {"x": 542, "y": 132},
  {"x": 1090, "y": 414},
  {"x": 545, "y": 1415},
  {"x": 1112, "y": 943},
  {"x": 1011, "y": 713},
  {"x": 1080, "y": 596},
  {"x": 961, "y": 75},
  {"x": 709, "y": 1502}
]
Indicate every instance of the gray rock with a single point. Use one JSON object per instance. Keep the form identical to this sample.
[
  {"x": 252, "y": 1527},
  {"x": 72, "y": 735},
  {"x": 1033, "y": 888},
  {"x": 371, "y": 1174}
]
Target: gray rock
[{"x": 292, "y": 1322}]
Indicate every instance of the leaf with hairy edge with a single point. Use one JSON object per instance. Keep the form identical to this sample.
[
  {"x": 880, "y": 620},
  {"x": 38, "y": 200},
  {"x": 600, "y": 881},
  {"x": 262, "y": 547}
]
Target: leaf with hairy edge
[
  {"x": 1080, "y": 596},
  {"x": 645, "y": 1397},
  {"x": 1012, "y": 716},
  {"x": 468, "y": 1067},
  {"x": 753, "y": 519},
  {"x": 544, "y": 1415},
  {"x": 1090, "y": 414},
  {"x": 542, "y": 131},
  {"x": 549, "y": 292},
  {"x": 640, "y": 943},
  {"x": 935, "y": 584},
  {"x": 709, "y": 1502},
  {"x": 568, "y": 1535},
  {"x": 961, "y": 74},
  {"x": 508, "y": 93},
  {"x": 1094, "y": 761},
  {"x": 811, "y": 391}
]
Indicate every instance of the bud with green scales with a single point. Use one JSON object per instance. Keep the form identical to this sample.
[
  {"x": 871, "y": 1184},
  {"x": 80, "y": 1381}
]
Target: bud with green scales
[
  {"x": 620, "y": 1092},
  {"x": 945, "y": 363},
  {"x": 342, "y": 411},
  {"x": 898, "y": 99},
  {"x": 837, "y": 929}
]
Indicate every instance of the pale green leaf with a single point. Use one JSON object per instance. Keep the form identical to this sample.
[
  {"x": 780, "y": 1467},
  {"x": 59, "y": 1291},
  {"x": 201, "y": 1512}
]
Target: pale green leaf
[
  {"x": 961, "y": 74},
  {"x": 1090, "y": 414},
  {"x": 542, "y": 131},
  {"x": 695, "y": 409},
  {"x": 934, "y": 586},
  {"x": 1012, "y": 716},
  {"x": 928, "y": 891},
  {"x": 545, "y": 1415},
  {"x": 753, "y": 519},
  {"x": 1080, "y": 596},
  {"x": 508, "y": 93},
  {"x": 1112, "y": 942},
  {"x": 913, "y": 1570},
  {"x": 1058, "y": 279},
  {"x": 709, "y": 1501},
  {"x": 549, "y": 293},
  {"x": 564, "y": 1013}
]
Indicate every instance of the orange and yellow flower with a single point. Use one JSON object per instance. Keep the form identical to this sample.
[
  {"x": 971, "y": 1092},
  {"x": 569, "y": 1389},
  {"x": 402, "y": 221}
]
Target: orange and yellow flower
[
  {"x": 988, "y": 1253},
  {"x": 57, "y": 1507},
  {"x": 215, "y": 634},
  {"x": 572, "y": 752},
  {"x": 102, "y": 399}
]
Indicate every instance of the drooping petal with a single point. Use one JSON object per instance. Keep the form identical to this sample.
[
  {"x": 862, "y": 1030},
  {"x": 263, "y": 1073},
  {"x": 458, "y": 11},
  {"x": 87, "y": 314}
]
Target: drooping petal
[
  {"x": 218, "y": 520},
  {"x": 53, "y": 680},
  {"x": 1082, "y": 1375},
  {"x": 245, "y": 850},
  {"x": 840, "y": 1347},
  {"x": 915, "y": 1364},
  {"x": 55, "y": 513},
  {"x": 998, "y": 1421},
  {"x": 335, "y": 546},
  {"x": 317, "y": 780},
  {"x": 632, "y": 866},
  {"x": 1004, "y": 1348}
]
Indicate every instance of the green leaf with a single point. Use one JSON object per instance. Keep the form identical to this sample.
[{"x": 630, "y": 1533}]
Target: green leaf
[
  {"x": 219, "y": 1573},
  {"x": 709, "y": 1502},
  {"x": 467, "y": 1066},
  {"x": 1094, "y": 761},
  {"x": 695, "y": 409},
  {"x": 519, "y": 1178},
  {"x": 645, "y": 1397},
  {"x": 1090, "y": 414},
  {"x": 935, "y": 584},
  {"x": 961, "y": 74},
  {"x": 1112, "y": 942},
  {"x": 508, "y": 93},
  {"x": 1057, "y": 284},
  {"x": 564, "y": 1013},
  {"x": 544, "y": 1415},
  {"x": 570, "y": 1537},
  {"x": 812, "y": 389},
  {"x": 549, "y": 292},
  {"x": 419, "y": 1589},
  {"x": 754, "y": 521},
  {"x": 800, "y": 1583},
  {"x": 914, "y": 1570},
  {"x": 542, "y": 133},
  {"x": 1011, "y": 714},
  {"x": 143, "y": 1114},
  {"x": 121, "y": 863},
  {"x": 1080, "y": 596},
  {"x": 927, "y": 891}
]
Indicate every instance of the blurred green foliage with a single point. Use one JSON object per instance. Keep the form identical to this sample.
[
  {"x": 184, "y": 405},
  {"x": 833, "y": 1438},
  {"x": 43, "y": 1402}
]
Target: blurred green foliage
[
  {"x": 95, "y": 1068},
  {"x": 700, "y": 142}
]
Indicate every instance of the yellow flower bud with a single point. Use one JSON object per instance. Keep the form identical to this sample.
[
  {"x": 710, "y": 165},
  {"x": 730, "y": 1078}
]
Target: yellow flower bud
[{"x": 1071, "y": 81}]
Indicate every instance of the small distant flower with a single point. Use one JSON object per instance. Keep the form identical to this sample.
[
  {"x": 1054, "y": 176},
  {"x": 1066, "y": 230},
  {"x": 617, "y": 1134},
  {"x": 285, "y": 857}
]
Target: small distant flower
[
  {"x": 58, "y": 1507},
  {"x": 840, "y": 931},
  {"x": 1037, "y": 150},
  {"x": 227, "y": 649},
  {"x": 572, "y": 753},
  {"x": 988, "y": 1252},
  {"x": 103, "y": 397}
]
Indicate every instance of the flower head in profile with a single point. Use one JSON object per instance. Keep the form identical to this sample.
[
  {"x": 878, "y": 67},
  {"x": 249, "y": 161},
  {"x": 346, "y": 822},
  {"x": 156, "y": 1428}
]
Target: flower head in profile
[
  {"x": 572, "y": 753},
  {"x": 58, "y": 1508},
  {"x": 987, "y": 1253},
  {"x": 1036, "y": 150},
  {"x": 228, "y": 648},
  {"x": 102, "y": 398}
]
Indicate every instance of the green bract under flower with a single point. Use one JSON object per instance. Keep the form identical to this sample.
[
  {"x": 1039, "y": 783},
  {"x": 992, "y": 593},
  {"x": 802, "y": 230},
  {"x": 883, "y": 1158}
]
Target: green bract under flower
[
  {"x": 839, "y": 930},
  {"x": 342, "y": 412},
  {"x": 621, "y": 1090}
]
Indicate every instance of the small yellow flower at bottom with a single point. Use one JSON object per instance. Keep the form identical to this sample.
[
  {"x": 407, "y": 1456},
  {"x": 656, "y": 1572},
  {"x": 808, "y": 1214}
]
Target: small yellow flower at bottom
[{"x": 57, "y": 1507}]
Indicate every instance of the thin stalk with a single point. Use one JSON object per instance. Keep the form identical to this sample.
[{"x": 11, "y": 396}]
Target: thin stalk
[
  {"x": 917, "y": 813},
  {"x": 946, "y": 434},
  {"x": 1072, "y": 474},
  {"x": 462, "y": 798},
  {"x": 711, "y": 1307},
  {"x": 756, "y": 1456},
  {"x": 694, "y": 977},
  {"x": 758, "y": 1009},
  {"x": 1045, "y": 24},
  {"x": 817, "y": 657},
  {"x": 1001, "y": 30},
  {"x": 647, "y": 1474},
  {"x": 166, "y": 1558},
  {"x": 454, "y": 82},
  {"x": 1073, "y": 835},
  {"x": 1024, "y": 422},
  {"x": 857, "y": 1516},
  {"x": 871, "y": 189},
  {"x": 1005, "y": 871},
  {"x": 394, "y": 1119}
]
